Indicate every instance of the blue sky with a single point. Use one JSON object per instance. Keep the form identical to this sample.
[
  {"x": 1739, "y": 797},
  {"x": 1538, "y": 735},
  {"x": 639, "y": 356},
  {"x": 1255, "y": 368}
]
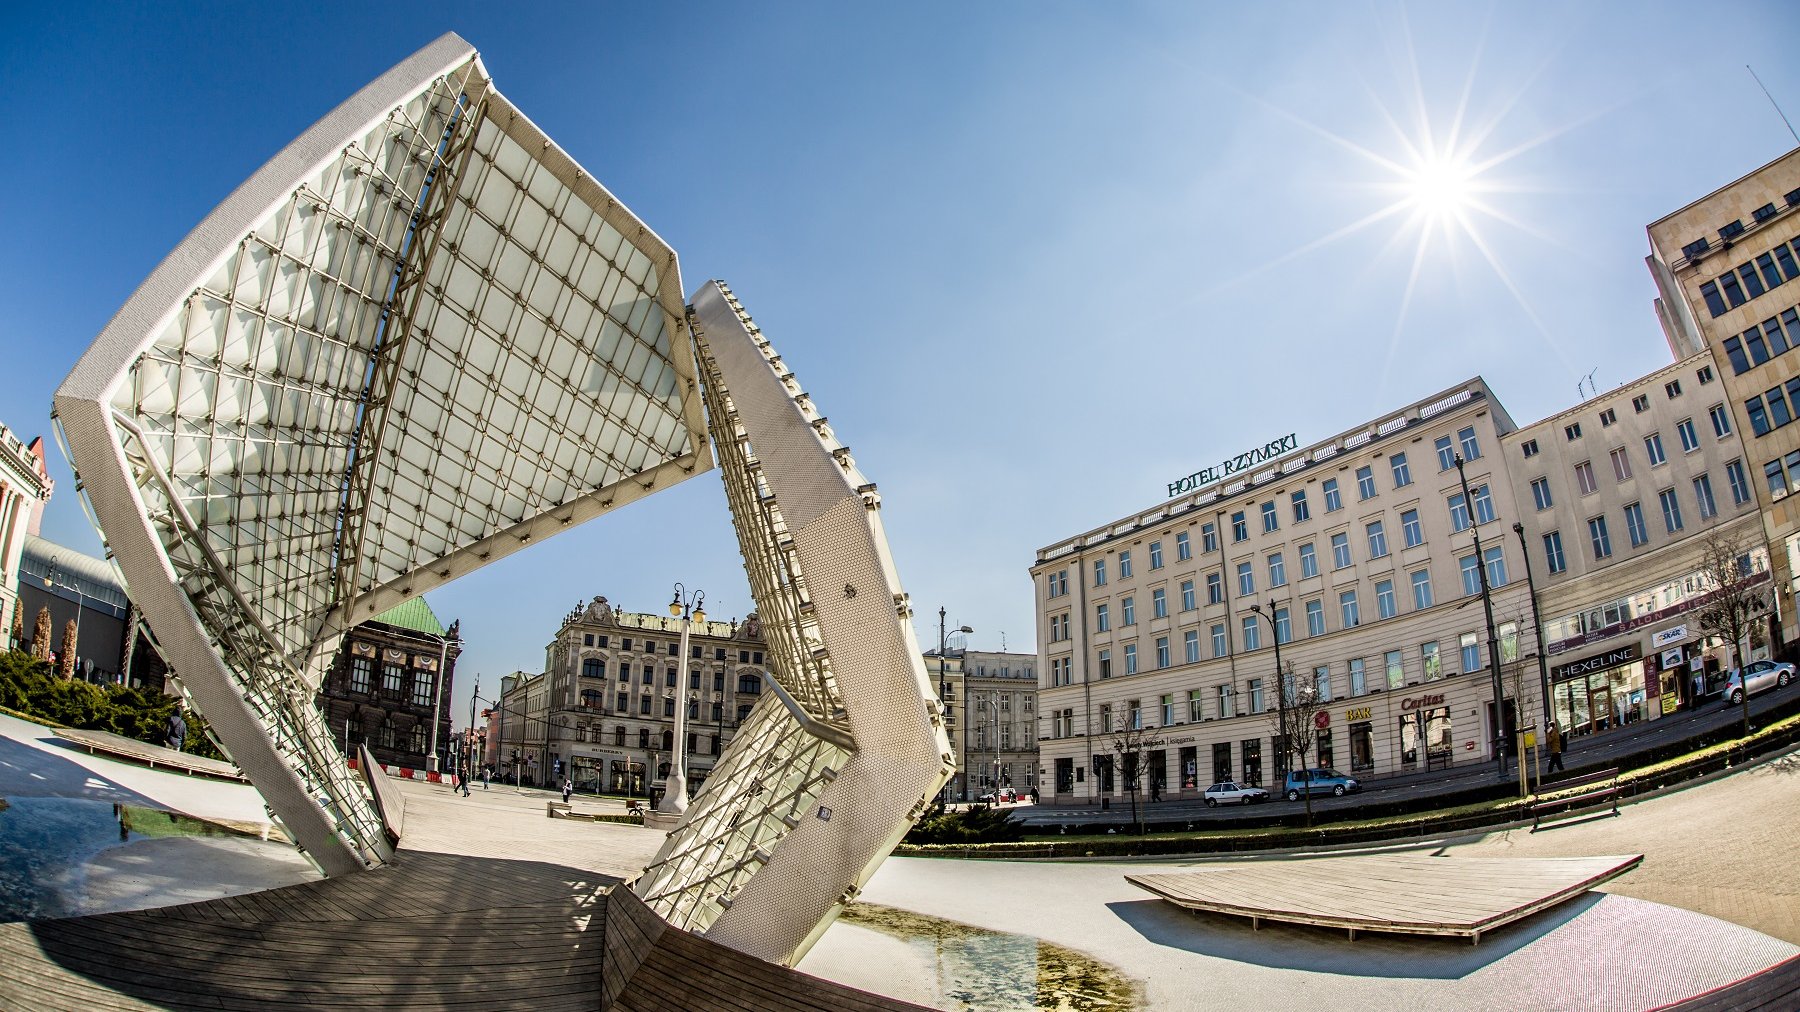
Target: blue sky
[{"x": 1033, "y": 260}]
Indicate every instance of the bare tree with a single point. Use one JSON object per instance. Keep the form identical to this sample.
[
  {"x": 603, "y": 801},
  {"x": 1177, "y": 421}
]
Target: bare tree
[
  {"x": 65, "y": 664},
  {"x": 40, "y": 635},
  {"x": 1130, "y": 745},
  {"x": 1738, "y": 599},
  {"x": 1302, "y": 729}
]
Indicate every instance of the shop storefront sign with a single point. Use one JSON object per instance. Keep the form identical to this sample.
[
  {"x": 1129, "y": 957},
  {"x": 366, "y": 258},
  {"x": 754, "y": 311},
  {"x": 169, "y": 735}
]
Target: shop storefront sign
[
  {"x": 1322, "y": 719},
  {"x": 1656, "y": 617},
  {"x": 1596, "y": 662},
  {"x": 1671, "y": 659},
  {"x": 1420, "y": 702},
  {"x": 1357, "y": 713},
  {"x": 1673, "y": 634},
  {"x": 1669, "y": 702}
]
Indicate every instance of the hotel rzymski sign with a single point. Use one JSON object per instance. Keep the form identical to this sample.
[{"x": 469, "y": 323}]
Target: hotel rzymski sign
[{"x": 1242, "y": 462}]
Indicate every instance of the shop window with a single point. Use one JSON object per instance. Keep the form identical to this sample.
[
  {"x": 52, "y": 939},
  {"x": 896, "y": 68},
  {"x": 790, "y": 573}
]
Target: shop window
[
  {"x": 1323, "y": 744},
  {"x": 1221, "y": 762},
  {"x": 1251, "y": 749},
  {"x": 1362, "y": 746}
]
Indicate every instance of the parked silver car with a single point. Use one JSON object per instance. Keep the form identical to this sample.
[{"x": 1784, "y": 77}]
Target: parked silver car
[
  {"x": 1761, "y": 676},
  {"x": 1228, "y": 792}
]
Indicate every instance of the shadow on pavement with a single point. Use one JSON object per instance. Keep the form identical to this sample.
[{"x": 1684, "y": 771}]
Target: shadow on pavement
[
  {"x": 28, "y": 772},
  {"x": 1325, "y": 950}
]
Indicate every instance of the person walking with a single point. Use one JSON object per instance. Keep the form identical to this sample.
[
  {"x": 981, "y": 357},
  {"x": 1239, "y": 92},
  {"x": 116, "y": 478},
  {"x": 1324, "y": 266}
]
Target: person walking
[
  {"x": 175, "y": 731},
  {"x": 1556, "y": 748},
  {"x": 568, "y": 789},
  {"x": 485, "y": 770}
]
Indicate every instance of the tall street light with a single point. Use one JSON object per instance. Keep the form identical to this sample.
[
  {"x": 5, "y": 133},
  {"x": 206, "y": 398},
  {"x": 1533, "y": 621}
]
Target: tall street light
[
  {"x": 1537, "y": 626},
  {"x": 50, "y": 579},
  {"x": 944, "y": 680},
  {"x": 1487, "y": 608},
  {"x": 1281, "y": 764},
  {"x": 689, "y": 609}
]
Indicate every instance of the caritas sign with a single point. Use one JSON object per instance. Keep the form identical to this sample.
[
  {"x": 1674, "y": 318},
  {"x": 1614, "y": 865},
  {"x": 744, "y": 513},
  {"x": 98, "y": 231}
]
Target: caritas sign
[
  {"x": 1421, "y": 702},
  {"x": 1596, "y": 662}
]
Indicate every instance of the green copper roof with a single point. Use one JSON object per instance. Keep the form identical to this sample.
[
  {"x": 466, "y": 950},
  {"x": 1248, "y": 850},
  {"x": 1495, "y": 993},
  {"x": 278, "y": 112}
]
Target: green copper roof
[{"x": 415, "y": 615}]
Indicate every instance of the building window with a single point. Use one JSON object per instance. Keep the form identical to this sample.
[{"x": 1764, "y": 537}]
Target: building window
[
  {"x": 1459, "y": 512},
  {"x": 1690, "y": 440},
  {"x": 1159, "y": 603},
  {"x": 1471, "y": 450},
  {"x": 622, "y": 704},
  {"x": 1377, "y": 540},
  {"x": 1124, "y": 565},
  {"x": 1384, "y": 600},
  {"x": 1347, "y": 607},
  {"x": 1471, "y": 653},
  {"x": 1155, "y": 555},
  {"x": 1396, "y": 672},
  {"x": 1777, "y": 478},
  {"x": 1598, "y": 536},
  {"x": 1529, "y": 448},
  {"x": 1703, "y": 497},
  {"x": 1183, "y": 550},
  {"x": 1099, "y": 572},
  {"x": 1187, "y": 595},
  {"x": 390, "y": 680},
  {"x": 1270, "y": 523},
  {"x": 423, "y": 682},
  {"x": 1162, "y": 651},
  {"x": 1402, "y": 474},
  {"x": 1496, "y": 566},
  {"x": 1365, "y": 483},
  {"x": 1322, "y": 682},
  {"x": 1190, "y": 643},
  {"x": 1640, "y": 403},
  {"x": 1333, "y": 500},
  {"x": 1410, "y": 531},
  {"x": 1672, "y": 388},
  {"x": 1257, "y": 703},
  {"x": 1621, "y": 464},
  {"x": 1721, "y": 420},
  {"x": 1215, "y": 589},
  {"x": 1246, "y": 579},
  {"x": 1471, "y": 574},
  {"x": 1227, "y": 705},
  {"x": 1302, "y": 511},
  {"x": 1209, "y": 538},
  {"x": 1608, "y": 417},
  {"x": 1131, "y": 658},
  {"x": 593, "y": 667},
  {"x": 1240, "y": 527},
  {"x": 1484, "y": 505},
  {"x": 1195, "y": 714},
  {"x": 1714, "y": 303},
  {"x": 1359, "y": 677},
  {"x": 1584, "y": 478},
  {"x": 1634, "y": 524},
  {"x": 1309, "y": 561},
  {"x": 1740, "y": 483},
  {"x": 1284, "y": 628},
  {"x": 1102, "y": 620},
  {"x": 1421, "y": 588},
  {"x": 1671, "y": 509},
  {"x": 362, "y": 674},
  {"x": 1315, "y": 618},
  {"x": 1430, "y": 662},
  {"x": 1572, "y": 431},
  {"x": 1340, "y": 550},
  {"x": 1553, "y": 552},
  {"x": 1653, "y": 448},
  {"x": 1540, "y": 493},
  {"x": 1277, "y": 570},
  {"x": 644, "y": 705},
  {"x": 1105, "y": 664},
  {"x": 1218, "y": 640},
  {"x": 1446, "y": 453},
  {"x": 1252, "y": 633}
]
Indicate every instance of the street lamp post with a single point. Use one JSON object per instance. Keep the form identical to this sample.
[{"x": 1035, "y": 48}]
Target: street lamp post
[
  {"x": 689, "y": 609},
  {"x": 1537, "y": 626},
  {"x": 1487, "y": 608},
  {"x": 437, "y": 701},
  {"x": 1281, "y": 764},
  {"x": 50, "y": 579},
  {"x": 944, "y": 682}
]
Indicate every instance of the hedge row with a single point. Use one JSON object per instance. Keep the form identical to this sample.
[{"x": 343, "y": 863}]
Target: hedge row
[{"x": 30, "y": 686}]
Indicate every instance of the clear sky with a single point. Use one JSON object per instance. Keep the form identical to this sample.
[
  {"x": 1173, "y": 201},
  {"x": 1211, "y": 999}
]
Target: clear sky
[{"x": 1033, "y": 260}]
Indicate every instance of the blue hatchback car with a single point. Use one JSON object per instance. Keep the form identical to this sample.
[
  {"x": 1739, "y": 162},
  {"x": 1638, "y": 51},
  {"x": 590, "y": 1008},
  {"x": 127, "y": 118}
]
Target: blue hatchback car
[{"x": 1319, "y": 781}]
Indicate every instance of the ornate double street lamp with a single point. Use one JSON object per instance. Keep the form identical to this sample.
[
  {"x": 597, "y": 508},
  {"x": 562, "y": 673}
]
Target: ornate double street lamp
[
  {"x": 689, "y": 609},
  {"x": 1487, "y": 607},
  {"x": 944, "y": 682},
  {"x": 1281, "y": 761}
]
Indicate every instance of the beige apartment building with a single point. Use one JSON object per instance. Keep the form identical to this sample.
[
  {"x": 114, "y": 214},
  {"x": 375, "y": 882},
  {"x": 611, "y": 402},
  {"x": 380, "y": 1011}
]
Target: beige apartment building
[
  {"x": 997, "y": 743},
  {"x": 1727, "y": 270},
  {"x": 1617, "y": 495},
  {"x": 1360, "y": 551}
]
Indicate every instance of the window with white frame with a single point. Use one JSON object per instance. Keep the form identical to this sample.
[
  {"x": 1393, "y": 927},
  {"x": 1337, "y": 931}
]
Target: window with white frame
[{"x": 1421, "y": 589}]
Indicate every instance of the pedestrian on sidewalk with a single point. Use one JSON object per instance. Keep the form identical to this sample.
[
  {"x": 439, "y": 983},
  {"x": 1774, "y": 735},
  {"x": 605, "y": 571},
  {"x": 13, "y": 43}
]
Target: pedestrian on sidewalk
[
  {"x": 175, "y": 731},
  {"x": 484, "y": 776},
  {"x": 1556, "y": 747},
  {"x": 568, "y": 789}
]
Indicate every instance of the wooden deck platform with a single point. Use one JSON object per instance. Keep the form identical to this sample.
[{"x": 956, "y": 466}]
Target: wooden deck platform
[
  {"x": 1399, "y": 893},
  {"x": 432, "y": 931},
  {"x": 155, "y": 756}
]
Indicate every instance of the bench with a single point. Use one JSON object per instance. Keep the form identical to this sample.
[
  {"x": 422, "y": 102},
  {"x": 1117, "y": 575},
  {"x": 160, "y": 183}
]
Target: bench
[{"x": 1595, "y": 790}]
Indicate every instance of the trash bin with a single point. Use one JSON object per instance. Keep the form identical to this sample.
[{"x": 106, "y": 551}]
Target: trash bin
[{"x": 1105, "y": 803}]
